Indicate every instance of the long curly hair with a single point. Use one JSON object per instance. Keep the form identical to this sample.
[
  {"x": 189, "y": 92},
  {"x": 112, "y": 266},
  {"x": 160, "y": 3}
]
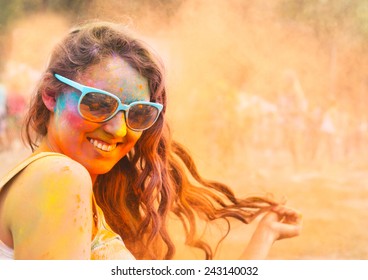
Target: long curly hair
[{"x": 158, "y": 176}]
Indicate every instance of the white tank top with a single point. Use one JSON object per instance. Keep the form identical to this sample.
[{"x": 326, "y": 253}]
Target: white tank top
[{"x": 6, "y": 253}]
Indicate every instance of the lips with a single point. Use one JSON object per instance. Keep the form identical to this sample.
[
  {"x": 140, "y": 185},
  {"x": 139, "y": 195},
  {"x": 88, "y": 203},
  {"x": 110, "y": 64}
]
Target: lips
[{"x": 101, "y": 145}]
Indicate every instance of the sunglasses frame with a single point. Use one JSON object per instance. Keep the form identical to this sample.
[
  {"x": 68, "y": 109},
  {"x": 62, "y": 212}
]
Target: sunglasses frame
[{"x": 121, "y": 107}]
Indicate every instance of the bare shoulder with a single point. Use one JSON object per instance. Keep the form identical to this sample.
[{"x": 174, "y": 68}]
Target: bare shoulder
[
  {"x": 52, "y": 175},
  {"x": 51, "y": 195}
]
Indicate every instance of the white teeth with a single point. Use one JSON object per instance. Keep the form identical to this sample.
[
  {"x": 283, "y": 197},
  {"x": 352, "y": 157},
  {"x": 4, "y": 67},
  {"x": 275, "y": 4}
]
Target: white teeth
[{"x": 102, "y": 146}]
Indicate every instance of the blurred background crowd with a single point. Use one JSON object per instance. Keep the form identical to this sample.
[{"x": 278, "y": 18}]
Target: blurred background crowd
[{"x": 268, "y": 95}]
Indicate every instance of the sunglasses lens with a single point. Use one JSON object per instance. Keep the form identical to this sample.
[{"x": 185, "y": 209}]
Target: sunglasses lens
[
  {"x": 142, "y": 116},
  {"x": 97, "y": 107}
]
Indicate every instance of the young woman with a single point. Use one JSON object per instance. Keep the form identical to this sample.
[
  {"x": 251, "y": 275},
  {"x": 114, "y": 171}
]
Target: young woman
[{"x": 105, "y": 174}]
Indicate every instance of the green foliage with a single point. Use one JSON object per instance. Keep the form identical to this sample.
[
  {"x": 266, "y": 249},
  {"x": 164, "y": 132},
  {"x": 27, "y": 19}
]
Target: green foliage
[
  {"x": 329, "y": 16},
  {"x": 361, "y": 18},
  {"x": 11, "y": 10}
]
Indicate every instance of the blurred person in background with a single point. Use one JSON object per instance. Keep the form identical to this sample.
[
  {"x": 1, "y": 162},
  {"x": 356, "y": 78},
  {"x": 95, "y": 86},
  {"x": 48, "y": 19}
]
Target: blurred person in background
[
  {"x": 16, "y": 107},
  {"x": 3, "y": 118},
  {"x": 105, "y": 175},
  {"x": 293, "y": 108}
]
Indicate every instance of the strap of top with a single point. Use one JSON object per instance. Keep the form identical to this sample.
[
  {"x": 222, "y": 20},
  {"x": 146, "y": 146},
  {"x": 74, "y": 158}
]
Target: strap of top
[{"x": 11, "y": 174}]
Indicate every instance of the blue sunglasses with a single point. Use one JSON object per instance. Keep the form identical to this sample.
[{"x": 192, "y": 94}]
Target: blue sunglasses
[{"x": 98, "y": 106}]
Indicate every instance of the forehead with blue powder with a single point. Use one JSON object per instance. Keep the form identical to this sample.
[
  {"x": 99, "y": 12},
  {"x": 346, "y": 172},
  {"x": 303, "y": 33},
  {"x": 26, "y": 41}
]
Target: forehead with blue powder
[{"x": 119, "y": 78}]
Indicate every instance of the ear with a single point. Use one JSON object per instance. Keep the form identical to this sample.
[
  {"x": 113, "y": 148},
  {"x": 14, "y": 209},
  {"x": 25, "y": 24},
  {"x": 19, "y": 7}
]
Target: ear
[{"x": 48, "y": 95}]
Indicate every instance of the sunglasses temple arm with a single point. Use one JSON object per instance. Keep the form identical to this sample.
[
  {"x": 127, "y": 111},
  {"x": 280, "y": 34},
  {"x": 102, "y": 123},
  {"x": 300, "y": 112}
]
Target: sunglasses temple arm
[{"x": 69, "y": 82}]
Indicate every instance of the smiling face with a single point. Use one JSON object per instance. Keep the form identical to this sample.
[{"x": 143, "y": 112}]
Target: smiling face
[{"x": 97, "y": 146}]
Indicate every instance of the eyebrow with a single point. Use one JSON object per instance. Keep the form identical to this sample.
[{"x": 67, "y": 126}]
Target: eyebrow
[{"x": 82, "y": 88}]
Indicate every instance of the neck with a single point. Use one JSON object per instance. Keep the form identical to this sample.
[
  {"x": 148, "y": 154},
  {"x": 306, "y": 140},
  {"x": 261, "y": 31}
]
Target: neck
[{"x": 45, "y": 146}]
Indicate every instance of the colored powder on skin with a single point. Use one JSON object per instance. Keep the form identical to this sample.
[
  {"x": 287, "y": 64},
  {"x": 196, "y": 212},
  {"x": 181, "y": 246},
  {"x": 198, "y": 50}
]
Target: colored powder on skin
[
  {"x": 51, "y": 201},
  {"x": 65, "y": 168},
  {"x": 60, "y": 104},
  {"x": 66, "y": 100}
]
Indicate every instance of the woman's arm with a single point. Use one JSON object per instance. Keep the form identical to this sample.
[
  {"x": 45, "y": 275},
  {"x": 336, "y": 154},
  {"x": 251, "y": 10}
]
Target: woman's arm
[
  {"x": 279, "y": 223},
  {"x": 49, "y": 211}
]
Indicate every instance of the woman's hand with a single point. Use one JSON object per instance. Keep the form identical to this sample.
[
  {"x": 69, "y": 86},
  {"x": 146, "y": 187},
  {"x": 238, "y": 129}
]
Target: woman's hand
[
  {"x": 278, "y": 223},
  {"x": 281, "y": 222}
]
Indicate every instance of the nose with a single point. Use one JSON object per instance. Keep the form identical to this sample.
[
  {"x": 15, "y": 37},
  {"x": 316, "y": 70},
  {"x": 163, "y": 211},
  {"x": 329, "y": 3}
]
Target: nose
[{"x": 116, "y": 126}]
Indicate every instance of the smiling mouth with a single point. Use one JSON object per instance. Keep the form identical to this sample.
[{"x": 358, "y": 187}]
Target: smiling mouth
[{"x": 103, "y": 146}]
